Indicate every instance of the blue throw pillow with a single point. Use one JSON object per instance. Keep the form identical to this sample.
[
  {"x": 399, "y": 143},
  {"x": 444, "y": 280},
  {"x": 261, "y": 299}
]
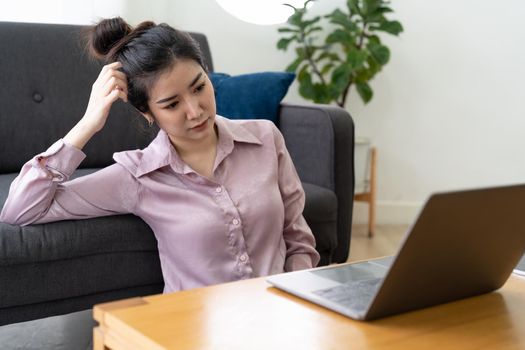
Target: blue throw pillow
[{"x": 250, "y": 96}]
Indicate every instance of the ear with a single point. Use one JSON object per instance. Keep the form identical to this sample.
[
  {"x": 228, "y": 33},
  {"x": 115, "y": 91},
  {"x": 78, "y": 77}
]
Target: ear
[{"x": 149, "y": 117}]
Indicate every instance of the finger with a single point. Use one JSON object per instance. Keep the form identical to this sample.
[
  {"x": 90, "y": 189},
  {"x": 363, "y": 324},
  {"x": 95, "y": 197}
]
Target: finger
[
  {"x": 114, "y": 65},
  {"x": 123, "y": 96},
  {"x": 114, "y": 83},
  {"x": 123, "y": 82},
  {"x": 123, "y": 93},
  {"x": 114, "y": 72},
  {"x": 108, "y": 86},
  {"x": 113, "y": 96},
  {"x": 110, "y": 74},
  {"x": 109, "y": 67},
  {"x": 120, "y": 75},
  {"x": 107, "y": 70}
]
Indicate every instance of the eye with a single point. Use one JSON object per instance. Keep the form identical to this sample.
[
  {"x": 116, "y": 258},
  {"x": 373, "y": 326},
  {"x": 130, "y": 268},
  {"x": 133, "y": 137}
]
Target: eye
[
  {"x": 200, "y": 87},
  {"x": 172, "y": 105}
]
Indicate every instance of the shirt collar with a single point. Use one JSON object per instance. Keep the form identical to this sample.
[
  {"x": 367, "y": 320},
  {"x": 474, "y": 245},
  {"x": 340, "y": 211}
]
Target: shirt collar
[
  {"x": 156, "y": 155},
  {"x": 161, "y": 153}
]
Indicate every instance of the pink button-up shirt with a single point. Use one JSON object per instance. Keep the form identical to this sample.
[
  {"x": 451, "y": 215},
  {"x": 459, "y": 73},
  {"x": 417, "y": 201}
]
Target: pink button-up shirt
[{"x": 246, "y": 221}]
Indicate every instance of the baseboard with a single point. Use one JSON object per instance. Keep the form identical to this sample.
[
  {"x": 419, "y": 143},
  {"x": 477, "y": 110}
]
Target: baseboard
[{"x": 387, "y": 212}]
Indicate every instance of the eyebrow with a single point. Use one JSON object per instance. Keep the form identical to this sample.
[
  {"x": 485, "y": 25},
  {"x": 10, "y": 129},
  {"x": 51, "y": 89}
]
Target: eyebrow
[{"x": 193, "y": 82}]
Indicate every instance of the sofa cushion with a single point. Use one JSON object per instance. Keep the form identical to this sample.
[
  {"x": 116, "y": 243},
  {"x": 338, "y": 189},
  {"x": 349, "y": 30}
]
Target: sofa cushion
[{"x": 250, "y": 96}]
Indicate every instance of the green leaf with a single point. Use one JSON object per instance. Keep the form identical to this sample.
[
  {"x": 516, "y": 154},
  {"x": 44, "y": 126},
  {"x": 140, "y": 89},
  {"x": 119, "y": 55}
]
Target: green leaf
[
  {"x": 314, "y": 29},
  {"x": 296, "y": 19},
  {"x": 283, "y": 43},
  {"x": 369, "y": 7},
  {"x": 326, "y": 68},
  {"x": 373, "y": 39},
  {"x": 321, "y": 93},
  {"x": 356, "y": 58},
  {"x": 311, "y": 21},
  {"x": 373, "y": 67},
  {"x": 342, "y": 19},
  {"x": 294, "y": 65},
  {"x": 328, "y": 55},
  {"x": 306, "y": 88},
  {"x": 380, "y": 53},
  {"x": 290, "y": 5},
  {"x": 392, "y": 27},
  {"x": 341, "y": 76},
  {"x": 365, "y": 91},
  {"x": 334, "y": 92},
  {"x": 300, "y": 52},
  {"x": 353, "y": 7},
  {"x": 341, "y": 37},
  {"x": 378, "y": 16},
  {"x": 368, "y": 71},
  {"x": 384, "y": 9},
  {"x": 305, "y": 5},
  {"x": 287, "y": 30}
]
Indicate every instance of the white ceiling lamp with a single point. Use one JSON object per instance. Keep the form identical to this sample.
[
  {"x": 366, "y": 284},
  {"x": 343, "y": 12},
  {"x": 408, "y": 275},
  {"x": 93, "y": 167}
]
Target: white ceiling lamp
[{"x": 265, "y": 12}]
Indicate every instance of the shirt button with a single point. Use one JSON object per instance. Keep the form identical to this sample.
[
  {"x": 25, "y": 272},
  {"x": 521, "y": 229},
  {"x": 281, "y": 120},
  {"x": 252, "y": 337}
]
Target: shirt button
[
  {"x": 218, "y": 189},
  {"x": 236, "y": 221},
  {"x": 243, "y": 258}
]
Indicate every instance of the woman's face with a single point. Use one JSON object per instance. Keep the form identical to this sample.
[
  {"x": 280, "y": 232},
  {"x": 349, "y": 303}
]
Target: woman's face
[{"x": 182, "y": 102}]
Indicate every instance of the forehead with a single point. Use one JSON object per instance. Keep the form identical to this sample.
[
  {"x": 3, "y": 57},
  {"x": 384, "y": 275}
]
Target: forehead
[{"x": 175, "y": 79}]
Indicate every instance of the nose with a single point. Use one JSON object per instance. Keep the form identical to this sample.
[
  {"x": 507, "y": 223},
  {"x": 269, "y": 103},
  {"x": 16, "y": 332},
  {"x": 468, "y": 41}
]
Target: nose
[{"x": 193, "y": 108}]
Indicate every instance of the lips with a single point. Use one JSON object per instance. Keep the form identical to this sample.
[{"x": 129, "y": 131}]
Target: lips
[{"x": 199, "y": 125}]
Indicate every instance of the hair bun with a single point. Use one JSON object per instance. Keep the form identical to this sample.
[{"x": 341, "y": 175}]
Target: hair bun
[
  {"x": 105, "y": 35},
  {"x": 142, "y": 27}
]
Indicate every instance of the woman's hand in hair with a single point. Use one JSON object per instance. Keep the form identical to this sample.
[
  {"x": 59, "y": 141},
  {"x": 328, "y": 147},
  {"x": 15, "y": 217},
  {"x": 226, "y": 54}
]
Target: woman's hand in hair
[{"x": 110, "y": 85}]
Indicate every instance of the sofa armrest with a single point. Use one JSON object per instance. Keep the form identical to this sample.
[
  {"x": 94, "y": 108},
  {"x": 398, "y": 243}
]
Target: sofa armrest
[{"x": 320, "y": 139}]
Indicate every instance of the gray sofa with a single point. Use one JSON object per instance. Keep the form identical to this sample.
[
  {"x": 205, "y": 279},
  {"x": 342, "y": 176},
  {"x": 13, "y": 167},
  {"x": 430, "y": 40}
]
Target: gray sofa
[{"x": 67, "y": 266}]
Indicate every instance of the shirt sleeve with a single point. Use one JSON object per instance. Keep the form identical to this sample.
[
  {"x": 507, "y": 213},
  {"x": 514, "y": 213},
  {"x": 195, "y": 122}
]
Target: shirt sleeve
[
  {"x": 300, "y": 242},
  {"x": 42, "y": 193}
]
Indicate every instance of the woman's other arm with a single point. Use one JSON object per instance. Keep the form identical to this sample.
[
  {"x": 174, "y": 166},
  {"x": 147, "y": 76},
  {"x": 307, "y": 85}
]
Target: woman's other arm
[{"x": 42, "y": 193}]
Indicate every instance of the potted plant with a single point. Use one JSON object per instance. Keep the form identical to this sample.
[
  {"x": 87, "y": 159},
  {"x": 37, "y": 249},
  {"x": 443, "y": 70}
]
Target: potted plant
[{"x": 351, "y": 53}]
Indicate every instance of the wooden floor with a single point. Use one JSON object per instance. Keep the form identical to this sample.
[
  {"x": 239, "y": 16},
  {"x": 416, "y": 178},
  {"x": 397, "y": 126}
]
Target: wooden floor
[{"x": 385, "y": 241}]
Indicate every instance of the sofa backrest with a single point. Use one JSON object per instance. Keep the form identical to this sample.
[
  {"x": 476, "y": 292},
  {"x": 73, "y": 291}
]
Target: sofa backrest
[{"x": 46, "y": 78}]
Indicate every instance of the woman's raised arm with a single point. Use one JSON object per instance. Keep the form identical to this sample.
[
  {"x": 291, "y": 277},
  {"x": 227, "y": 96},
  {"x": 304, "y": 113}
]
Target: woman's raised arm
[{"x": 42, "y": 193}]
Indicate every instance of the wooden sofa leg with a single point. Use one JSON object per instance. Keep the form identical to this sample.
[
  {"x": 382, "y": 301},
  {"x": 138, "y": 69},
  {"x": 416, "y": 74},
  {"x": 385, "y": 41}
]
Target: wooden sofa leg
[{"x": 372, "y": 197}]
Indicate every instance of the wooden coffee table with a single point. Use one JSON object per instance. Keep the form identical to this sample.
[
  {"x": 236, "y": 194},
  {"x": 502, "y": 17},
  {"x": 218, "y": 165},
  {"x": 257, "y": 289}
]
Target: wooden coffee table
[{"x": 251, "y": 314}]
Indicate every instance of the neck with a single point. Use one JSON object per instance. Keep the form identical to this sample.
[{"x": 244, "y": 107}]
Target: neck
[{"x": 190, "y": 148}]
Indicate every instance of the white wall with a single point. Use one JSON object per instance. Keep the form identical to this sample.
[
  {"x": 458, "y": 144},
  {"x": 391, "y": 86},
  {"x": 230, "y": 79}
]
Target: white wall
[
  {"x": 60, "y": 11},
  {"x": 447, "y": 111}
]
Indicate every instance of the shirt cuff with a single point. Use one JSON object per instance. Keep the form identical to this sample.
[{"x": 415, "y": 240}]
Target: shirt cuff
[
  {"x": 298, "y": 262},
  {"x": 61, "y": 159}
]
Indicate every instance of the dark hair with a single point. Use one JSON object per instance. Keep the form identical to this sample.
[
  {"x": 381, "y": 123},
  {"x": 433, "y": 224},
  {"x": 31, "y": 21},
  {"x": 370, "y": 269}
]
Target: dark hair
[{"x": 145, "y": 52}]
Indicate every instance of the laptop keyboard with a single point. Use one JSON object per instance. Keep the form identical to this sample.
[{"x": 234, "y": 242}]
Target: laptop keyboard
[{"x": 353, "y": 295}]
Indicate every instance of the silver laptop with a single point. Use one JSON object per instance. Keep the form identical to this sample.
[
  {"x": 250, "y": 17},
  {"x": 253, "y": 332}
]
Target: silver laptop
[
  {"x": 520, "y": 268},
  {"x": 462, "y": 244}
]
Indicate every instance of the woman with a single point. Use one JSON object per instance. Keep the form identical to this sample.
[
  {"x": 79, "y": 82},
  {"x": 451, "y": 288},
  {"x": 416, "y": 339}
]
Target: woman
[{"x": 222, "y": 197}]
